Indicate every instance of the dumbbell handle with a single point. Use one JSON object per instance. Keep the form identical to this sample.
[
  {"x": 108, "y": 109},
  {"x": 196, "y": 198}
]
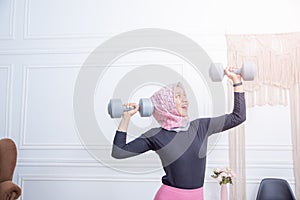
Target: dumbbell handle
[
  {"x": 125, "y": 108},
  {"x": 115, "y": 107},
  {"x": 237, "y": 71}
]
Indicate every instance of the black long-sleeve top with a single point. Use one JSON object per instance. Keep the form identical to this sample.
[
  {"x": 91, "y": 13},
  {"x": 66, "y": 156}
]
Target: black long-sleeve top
[{"x": 183, "y": 154}]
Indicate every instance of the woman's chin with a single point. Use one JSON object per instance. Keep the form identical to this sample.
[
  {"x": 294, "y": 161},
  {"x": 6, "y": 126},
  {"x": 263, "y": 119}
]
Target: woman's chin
[{"x": 184, "y": 114}]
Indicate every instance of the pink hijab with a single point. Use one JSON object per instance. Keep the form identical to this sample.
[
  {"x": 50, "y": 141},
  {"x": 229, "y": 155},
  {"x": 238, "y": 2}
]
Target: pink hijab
[{"x": 165, "y": 111}]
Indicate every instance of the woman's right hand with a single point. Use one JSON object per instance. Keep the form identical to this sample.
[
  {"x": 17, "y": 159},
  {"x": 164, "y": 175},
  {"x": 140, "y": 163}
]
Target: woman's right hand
[
  {"x": 123, "y": 126},
  {"x": 130, "y": 113}
]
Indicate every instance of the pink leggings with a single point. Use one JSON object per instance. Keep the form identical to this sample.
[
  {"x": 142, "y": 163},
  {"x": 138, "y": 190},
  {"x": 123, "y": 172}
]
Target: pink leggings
[{"x": 166, "y": 192}]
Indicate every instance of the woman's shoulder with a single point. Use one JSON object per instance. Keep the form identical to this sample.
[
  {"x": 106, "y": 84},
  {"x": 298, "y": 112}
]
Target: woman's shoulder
[
  {"x": 152, "y": 132},
  {"x": 200, "y": 120}
]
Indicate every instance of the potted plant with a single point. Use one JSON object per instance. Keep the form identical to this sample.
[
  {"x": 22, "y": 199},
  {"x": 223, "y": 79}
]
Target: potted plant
[{"x": 223, "y": 176}]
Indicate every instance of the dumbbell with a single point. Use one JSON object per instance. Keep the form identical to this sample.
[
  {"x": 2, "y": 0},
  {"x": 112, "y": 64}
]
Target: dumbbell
[
  {"x": 116, "y": 108},
  {"x": 247, "y": 71}
]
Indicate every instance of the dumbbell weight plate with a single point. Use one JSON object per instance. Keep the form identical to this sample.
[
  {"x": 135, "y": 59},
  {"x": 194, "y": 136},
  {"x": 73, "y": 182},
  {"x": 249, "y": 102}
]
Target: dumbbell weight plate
[
  {"x": 216, "y": 72},
  {"x": 115, "y": 108},
  {"x": 248, "y": 70},
  {"x": 146, "y": 107}
]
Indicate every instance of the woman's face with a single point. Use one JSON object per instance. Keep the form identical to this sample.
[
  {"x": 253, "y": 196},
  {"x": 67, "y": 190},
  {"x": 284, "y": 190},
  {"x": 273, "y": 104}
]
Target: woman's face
[{"x": 181, "y": 102}]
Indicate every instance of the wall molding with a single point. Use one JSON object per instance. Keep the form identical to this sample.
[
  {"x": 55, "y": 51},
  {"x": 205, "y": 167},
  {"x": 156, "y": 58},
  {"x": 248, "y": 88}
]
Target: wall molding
[
  {"x": 251, "y": 164},
  {"x": 277, "y": 164},
  {"x": 12, "y": 19},
  {"x": 141, "y": 163},
  {"x": 59, "y": 51},
  {"x": 8, "y": 93},
  {"x": 138, "y": 167},
  {"x": 47, "y": 51},
  {"x": 257, "y": 180},
  {"x": 59, "y": 177},
  {"x": 261, "y": 147},
  {"x": 22, "y": 178},
  {"x": 270, "y": 147}
]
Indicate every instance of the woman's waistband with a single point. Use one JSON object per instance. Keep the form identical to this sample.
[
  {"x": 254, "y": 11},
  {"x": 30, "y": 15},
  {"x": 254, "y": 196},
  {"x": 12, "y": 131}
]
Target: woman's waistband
[{"x": 181, "y": 190}]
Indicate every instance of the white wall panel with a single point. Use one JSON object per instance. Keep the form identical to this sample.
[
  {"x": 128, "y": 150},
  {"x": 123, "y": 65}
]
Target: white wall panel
[
  {"x": 268, "y": 146},
  {"x": 51, "y": 187},
  {"x": 7, "y": 19},
  {"x": 268, "y": 130},
  {"x": 47, "y": 106},
  {"x": 84, "y": 19}
]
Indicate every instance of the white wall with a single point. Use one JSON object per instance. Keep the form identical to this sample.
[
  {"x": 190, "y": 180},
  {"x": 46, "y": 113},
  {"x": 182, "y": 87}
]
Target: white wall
[{"x": 42, "y": 47}]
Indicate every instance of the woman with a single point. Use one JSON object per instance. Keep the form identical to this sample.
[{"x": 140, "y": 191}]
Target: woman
[{"x": 180, "y": 143}]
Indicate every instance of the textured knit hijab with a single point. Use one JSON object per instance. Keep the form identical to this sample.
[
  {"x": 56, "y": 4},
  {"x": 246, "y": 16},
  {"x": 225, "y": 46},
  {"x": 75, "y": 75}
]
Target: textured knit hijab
[{"x": 165, "y": 111}]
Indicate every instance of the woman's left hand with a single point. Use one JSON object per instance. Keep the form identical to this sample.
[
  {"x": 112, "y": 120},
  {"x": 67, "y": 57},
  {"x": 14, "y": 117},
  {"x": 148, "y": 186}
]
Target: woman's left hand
[{"x": 236, "y": 78}]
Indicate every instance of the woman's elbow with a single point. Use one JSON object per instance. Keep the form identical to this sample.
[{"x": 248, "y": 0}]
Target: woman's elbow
[
  {"x": 117, "y": 154},
  {"x": 242, "y": 118},
  {"x": 239, "y": 119},
  {"x": 120, "y": 153}
]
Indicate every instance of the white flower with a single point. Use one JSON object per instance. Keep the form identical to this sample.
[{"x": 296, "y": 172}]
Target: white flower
[{"x": 223, "y": 175}]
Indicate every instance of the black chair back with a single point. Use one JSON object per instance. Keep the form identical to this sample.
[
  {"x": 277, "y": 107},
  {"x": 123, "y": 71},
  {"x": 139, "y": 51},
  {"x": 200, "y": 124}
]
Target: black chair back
[{"x": 274, "y": 189}]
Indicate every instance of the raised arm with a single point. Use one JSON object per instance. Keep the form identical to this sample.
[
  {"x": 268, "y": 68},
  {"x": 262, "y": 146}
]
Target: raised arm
[
  {"x": 237, "y": 116},
  {"x": 120, "y": 148}
]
